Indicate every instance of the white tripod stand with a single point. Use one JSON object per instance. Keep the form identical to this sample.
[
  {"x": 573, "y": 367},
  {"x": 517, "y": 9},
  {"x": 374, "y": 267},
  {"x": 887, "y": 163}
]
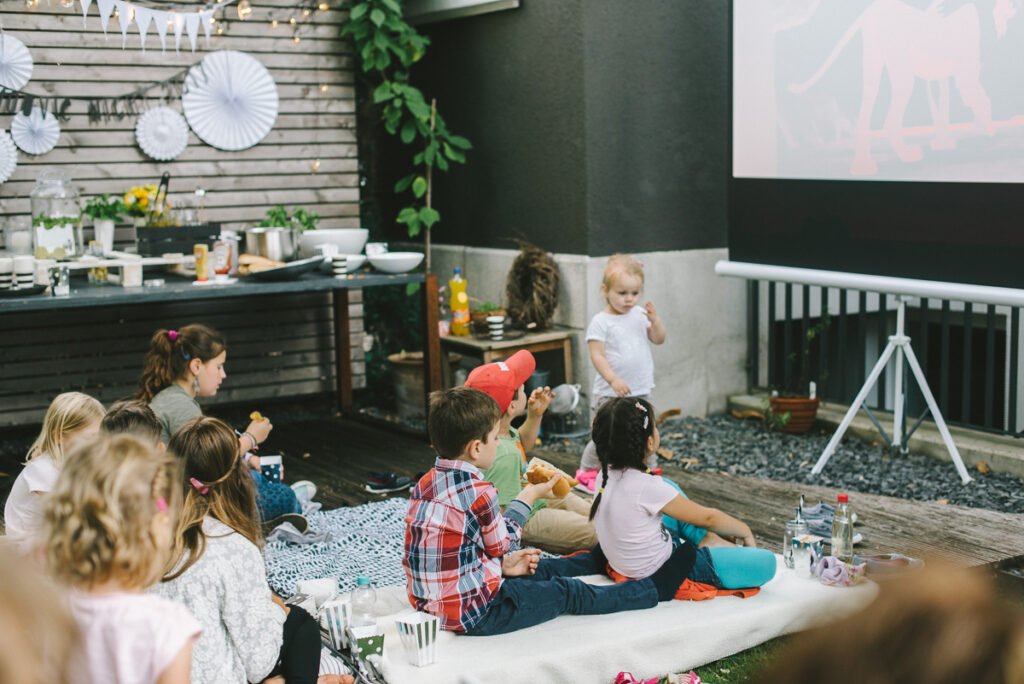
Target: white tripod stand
[{"x": 899, "y": 343}]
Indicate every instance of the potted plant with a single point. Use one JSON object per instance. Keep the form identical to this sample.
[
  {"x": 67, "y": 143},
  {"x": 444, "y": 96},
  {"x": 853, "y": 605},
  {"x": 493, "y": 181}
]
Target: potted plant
[
  {"x": 794, "y": 408},
  {"x": 480, "y": 311},
  {"x": 138, "y": 203},
  {"x": 104, "y": 211}
]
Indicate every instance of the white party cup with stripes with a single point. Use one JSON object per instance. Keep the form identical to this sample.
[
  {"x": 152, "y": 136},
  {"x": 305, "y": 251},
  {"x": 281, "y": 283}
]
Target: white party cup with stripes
[{"x": 419, "y": 637}]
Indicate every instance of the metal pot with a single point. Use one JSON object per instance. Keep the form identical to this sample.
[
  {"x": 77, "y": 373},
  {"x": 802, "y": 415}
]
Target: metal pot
[{"x": 278, "y": 244}]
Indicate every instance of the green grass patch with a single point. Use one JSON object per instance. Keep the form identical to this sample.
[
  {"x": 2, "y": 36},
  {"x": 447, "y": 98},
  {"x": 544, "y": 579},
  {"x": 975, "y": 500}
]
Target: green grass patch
[{"x": 742, "y": 667}]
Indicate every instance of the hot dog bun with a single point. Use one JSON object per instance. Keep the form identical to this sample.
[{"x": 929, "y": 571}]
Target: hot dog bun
[{"x": 542, "y": 472}]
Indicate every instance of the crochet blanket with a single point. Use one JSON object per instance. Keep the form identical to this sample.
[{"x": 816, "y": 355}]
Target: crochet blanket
[{"x": 363, "y": 540}]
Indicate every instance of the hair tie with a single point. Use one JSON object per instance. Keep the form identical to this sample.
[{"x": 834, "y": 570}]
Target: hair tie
[
  {"x": 642, "y": 408},
  {"x": 161, "y": 504},
  {"x": 601, "y": 490},
  {"x": 172, "y": 335},
  {"x": 202, "y": 488}
]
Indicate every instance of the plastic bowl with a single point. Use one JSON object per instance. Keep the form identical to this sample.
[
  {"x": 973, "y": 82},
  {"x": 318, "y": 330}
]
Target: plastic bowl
[
  {"x": 396, "y": 262},
  {"x": 348, "y": 240}
]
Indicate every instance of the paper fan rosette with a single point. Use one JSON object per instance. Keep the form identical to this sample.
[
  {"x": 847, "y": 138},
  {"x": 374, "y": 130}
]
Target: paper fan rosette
[
  {"x": 161, "y": 133},
  {"x": 8, "y": 156},
  {"x": 15, "y": 63},
  {"x": 36, "y": 133},
  {"x": 230, "y": 100}
]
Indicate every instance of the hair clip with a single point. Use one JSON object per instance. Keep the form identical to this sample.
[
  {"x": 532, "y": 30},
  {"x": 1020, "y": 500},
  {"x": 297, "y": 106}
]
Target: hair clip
[
  {"x": 640, "y": 407},
  {"x": 161, "y": 504},
  {"x": 202, "y": 488},
  {"x": 172, "y": 335}
]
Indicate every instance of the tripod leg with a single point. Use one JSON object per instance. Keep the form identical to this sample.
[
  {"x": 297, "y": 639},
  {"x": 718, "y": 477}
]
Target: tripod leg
[
  {"x": 854, "y": 407},
  {"x": 937, "y": 415}
]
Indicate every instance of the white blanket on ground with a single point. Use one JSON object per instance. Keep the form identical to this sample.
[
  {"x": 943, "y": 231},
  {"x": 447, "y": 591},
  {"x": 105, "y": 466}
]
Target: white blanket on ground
[{"x": 675, "y": 636}]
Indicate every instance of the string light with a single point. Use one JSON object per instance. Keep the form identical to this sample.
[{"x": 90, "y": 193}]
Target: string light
[
  {"x": 306, "y": 12},
  {"x": 323, "y": 87},
  {"x": 67, "y": 3},
  {"x": 244, "y": 9},
  {"x": 31, "y": 4},
  {"x": 315, "y": 165},
  {"x": 295, "y": 38},
  {"x": 220, "y": 30},
  {"x": 291, "y": 20},
  {"x": 324, "y": 7},
  {"x": 273, "y": 23}
]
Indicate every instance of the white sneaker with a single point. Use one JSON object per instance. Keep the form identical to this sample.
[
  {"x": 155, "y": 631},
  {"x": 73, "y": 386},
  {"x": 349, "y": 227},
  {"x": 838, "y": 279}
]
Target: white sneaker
[{"x": 304, "y": 491}]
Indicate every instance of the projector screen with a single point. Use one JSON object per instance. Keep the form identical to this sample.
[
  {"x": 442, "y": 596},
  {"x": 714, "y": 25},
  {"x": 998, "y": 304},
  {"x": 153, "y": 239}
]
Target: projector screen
[{"x": 882, "y": 137}]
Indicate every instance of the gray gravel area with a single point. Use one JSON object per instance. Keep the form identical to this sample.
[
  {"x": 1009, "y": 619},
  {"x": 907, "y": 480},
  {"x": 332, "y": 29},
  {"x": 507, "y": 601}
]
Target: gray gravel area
[{"x": 745, "y": 447}]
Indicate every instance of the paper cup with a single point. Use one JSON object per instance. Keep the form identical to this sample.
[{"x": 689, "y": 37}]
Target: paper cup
[
  {"x": 366, "y": 641},
  {"x": 270, "y": 466},
  {"x": 419, "y": 637},
  {"x": 334, "y": 616},
  {"x": 322, "y": 590}
]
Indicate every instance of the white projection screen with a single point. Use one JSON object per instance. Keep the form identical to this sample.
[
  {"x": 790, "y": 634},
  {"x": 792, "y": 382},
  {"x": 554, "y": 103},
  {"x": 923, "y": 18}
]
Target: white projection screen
[{"x": 886, "y": 136}]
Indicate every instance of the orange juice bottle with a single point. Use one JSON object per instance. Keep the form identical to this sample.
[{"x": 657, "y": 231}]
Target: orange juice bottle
[
  {"x": 459, "y": 304},
  {"x": 202, "y": 254}
]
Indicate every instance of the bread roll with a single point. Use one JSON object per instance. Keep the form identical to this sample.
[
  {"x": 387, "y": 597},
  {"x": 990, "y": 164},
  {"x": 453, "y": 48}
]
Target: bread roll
[{"x": 539, "y": 473}]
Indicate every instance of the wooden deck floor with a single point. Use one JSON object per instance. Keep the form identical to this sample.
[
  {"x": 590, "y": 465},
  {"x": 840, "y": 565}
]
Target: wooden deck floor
[{"x": 337, "y": 454}]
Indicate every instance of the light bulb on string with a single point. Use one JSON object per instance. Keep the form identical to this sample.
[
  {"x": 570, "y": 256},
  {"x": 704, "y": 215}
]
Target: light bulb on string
[
  {"x": 306, "y": 12},
  {"x": 323, "y": 87},
  {"x": 244, "y": 9},
  {"x": 315, "y": 165},
  {"x": 296, "y": 38},
  {"x": 291, "y": 20},
  {"x": 273, "y": 23},
  {"x": 67, "y": 3},
  {"x": 324, "y": 7}
]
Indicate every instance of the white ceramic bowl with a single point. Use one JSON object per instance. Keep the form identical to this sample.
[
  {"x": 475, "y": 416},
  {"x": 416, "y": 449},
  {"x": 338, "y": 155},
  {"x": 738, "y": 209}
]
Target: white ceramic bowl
[
  {"x": 354, "y": 263},
  {"x": 396, "y": 262},
  {"x": 348, "y": 240}
]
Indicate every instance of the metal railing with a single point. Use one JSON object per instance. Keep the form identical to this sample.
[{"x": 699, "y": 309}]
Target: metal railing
[{"x": 970, "y": 353}]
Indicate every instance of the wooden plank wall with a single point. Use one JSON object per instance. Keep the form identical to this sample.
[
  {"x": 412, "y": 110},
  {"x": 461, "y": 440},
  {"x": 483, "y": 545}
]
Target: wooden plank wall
[
  {"x": 284, "y": 349},
  {"x": 104, "y": 158},
  {"x": 279, "y": 349}
]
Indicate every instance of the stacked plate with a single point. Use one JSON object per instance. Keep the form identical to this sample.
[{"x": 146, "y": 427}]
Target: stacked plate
[{"x": 339, "y": 265}]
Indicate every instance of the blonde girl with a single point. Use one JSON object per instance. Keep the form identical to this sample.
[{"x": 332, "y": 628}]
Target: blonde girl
[
  {"x": 108, "y": 526},
  {"x": 72, "y": 419},
  {"x": 631, "y": 502},
  {"x": 217, "y": 570},
  {"x": 188, "y": 363},
  {"x": 619, "y": 339}
]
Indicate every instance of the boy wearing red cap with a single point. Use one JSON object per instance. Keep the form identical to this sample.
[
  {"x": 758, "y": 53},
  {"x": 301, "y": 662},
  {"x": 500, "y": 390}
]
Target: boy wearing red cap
[
  {"x": 461, "y": 559},
  {"x": 559, "y": 525}
]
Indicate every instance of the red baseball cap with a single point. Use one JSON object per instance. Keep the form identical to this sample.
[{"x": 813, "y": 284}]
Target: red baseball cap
[{"x": 501, "y": 379}]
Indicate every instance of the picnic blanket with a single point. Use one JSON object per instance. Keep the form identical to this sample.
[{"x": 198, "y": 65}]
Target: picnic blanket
[{"x": 674, "y": 636}]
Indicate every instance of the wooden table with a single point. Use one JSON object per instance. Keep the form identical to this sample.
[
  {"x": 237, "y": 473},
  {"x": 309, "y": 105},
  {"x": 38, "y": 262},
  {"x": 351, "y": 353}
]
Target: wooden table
[
  {"x": 107, "y": 297},
  {"x": 489, "y": 350}
]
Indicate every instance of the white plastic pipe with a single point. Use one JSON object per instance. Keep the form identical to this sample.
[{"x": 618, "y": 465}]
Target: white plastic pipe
[{"x": 933, "y": 289}]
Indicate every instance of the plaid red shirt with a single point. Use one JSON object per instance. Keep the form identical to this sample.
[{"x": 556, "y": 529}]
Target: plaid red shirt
[{"x": 455, "y": 537}]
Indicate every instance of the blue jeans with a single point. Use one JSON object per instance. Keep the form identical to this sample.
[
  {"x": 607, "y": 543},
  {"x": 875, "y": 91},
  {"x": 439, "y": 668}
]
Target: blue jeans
[{"x": 532, "y": 599}]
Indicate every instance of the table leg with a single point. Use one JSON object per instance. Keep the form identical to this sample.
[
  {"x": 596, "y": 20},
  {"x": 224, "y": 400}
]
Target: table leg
[
  {"x": 567, "y": 356},
  {"x": 342, "y": 351},
  {"x": 431, "y": 338}
]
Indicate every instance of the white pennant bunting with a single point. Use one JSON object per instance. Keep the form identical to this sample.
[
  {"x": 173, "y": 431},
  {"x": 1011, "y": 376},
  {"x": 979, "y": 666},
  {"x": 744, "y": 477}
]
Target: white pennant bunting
[
  {"x": 143, "y": 15},
  {"x": 160, "y": 21},
  {"x": 205, "y": 17},
  {"x": 192, "y": 27},
  {"x": 85, "y": 10},
  {"x": 179, "y": 24},
  {"x": 125, "y": 15},
  {"x": 106, "y": 8}
]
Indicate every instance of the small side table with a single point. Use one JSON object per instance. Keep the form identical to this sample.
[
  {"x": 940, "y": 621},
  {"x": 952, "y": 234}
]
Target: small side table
[{"x": 489, "y": 350}]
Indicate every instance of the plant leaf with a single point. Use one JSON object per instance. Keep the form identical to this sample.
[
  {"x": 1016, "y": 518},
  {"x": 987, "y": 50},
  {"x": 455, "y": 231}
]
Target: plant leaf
[
  {"x": 411, "y": 288},
  {"x": 429, "y": 216},
  {"x": 460, "y": 142},
  {"x": 377, "y": 16},
  {"x": 358, "y": 11},
  {"x": 419, "y": 186},
  {"x": 408, "y": 131},
  {"x": 442, "y": 163},
  {"x": 454, "y": 154},
  {"x": 403, "y": 185},
  {"x": 393, "y": 6},
  {"x": 382, "y": 93},
  {"x": 407, "y": 215}
]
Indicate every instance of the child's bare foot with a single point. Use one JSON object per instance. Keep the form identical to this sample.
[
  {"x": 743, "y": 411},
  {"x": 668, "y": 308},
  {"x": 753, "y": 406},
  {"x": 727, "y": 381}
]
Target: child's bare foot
[
  {"x": 335, "y": 679},
  {"x": 712, "y": 539}
]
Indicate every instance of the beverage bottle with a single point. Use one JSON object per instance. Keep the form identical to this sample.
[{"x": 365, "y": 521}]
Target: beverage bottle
[
  {"x": 842, "y": 530},
  {"x": 459, "y": 304},
  {"x": 364, "y": 604}
]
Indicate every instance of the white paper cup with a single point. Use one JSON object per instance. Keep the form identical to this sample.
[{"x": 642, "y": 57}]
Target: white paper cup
[
  {"x": 322, "y": 589},
  {"x": 6, "y": 266},
  {"x": 25, "y": 265},
  {"x": 334, "y": 615},
  {"x": 270, "y": 466},
  {"x": 419, "y": 637}
]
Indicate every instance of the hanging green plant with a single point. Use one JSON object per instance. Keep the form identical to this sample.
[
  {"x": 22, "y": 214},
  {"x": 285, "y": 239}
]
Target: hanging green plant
[{"x": 387, "y": 47}]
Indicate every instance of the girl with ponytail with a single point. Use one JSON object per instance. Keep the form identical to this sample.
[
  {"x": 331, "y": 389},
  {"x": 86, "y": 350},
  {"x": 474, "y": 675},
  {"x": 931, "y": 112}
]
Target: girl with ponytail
[
  {"x": 188, "y": 363},
  {"x": 630, "y": 505}
]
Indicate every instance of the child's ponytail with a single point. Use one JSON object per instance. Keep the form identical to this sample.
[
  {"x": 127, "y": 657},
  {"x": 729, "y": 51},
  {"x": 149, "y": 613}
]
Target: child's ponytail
[
  {"x": 169, "y": 354},
  {"x": 621, "y": 429}
]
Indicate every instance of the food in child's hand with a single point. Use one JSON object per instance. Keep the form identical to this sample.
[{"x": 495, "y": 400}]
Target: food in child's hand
[
  {"x": 540, "y": 472},
  {"x": 256, "y": 416}
]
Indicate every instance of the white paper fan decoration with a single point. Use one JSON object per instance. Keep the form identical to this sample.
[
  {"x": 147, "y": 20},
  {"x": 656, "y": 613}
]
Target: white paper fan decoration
[
  {"x": 8, "y": 156},
  {"x": 15, "y": 63},
  {"x": 36, "y": 133},
  {"x": 162, "y": 133},
  {"x": 230, "y": 100}
]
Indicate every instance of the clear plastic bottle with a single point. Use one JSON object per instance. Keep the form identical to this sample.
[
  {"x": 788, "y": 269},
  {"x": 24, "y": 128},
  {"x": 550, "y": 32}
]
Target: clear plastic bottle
[
  {"x": 842, "y": 530},
  {"x": 364, "y": 604},
  {"x": 459, "y": 304}
]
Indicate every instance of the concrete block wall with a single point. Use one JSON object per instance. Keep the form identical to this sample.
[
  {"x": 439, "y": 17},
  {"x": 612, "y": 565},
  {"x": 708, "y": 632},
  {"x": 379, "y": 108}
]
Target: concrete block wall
[{"x": 701, "y": 362}]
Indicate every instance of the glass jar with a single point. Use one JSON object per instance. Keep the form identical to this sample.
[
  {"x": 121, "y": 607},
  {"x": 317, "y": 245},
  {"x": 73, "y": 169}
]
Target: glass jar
[
  {"x": 18, "y": 235},
  {"x": 56, "y": 217}
]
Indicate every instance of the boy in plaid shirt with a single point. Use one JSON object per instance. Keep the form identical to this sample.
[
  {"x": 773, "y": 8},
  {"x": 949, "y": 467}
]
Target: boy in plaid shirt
[{"x": 460, "y": 548}]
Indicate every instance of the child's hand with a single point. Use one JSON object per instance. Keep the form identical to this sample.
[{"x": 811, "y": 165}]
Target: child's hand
[
  {"x": 254, "y": 462},
  {"x": 620, "y": 387},
  {"x": 541, "y": 490},
  {"x": 519, "y": 563},
  {"x": 652, "y": 313},
  {"x": 260, "y": 429},
  {"x": 539, "y": 401}
]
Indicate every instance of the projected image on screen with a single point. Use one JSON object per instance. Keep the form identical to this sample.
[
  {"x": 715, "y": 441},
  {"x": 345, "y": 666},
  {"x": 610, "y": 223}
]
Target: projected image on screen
[{"x": 902, "y": 90}]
